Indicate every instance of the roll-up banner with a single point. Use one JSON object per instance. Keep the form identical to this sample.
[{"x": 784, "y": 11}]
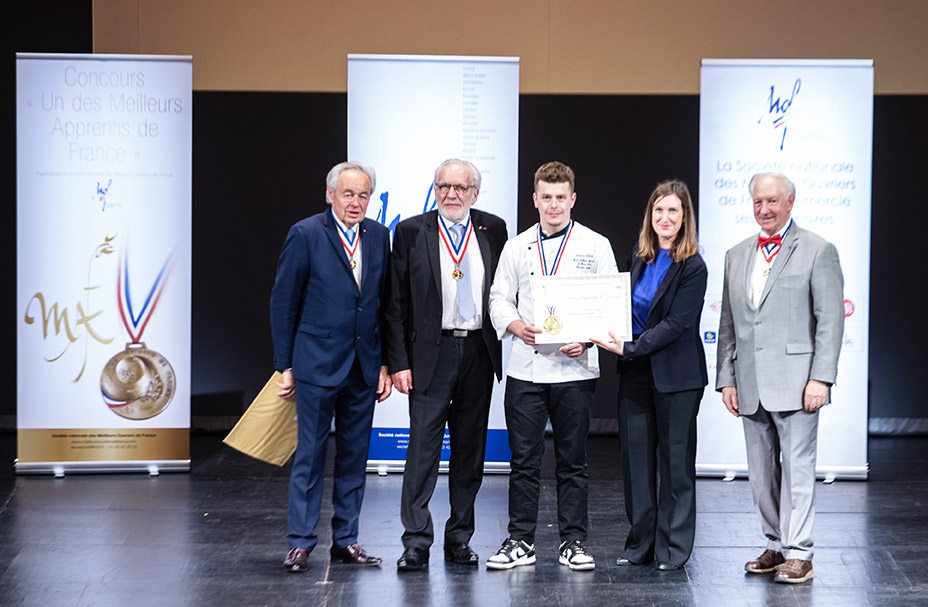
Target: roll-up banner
[
  {"x": 103, "y": 226},
  {"x": 407, "y": 114},
  {"x": 811, "y": 120}
]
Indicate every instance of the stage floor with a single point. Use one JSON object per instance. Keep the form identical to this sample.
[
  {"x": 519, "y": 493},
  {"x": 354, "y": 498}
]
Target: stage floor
[{"x": 217, "y": 536}]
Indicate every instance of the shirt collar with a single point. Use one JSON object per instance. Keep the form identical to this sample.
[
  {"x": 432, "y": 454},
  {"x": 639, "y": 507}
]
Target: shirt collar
[
  {"x": 782, "y": 230},
  {"x": 449, "y": 223},
  {"x": 342, "y": 224},
  {"x": 545, "y": 236}
]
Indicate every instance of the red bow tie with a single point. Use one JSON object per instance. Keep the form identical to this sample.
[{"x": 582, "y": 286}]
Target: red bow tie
[{"x": 763, "y": 241}]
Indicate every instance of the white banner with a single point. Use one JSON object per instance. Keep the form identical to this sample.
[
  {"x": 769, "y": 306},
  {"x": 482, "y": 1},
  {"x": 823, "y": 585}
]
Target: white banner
[
  {"x": 407, "y": 114},
  {"x": 103, "y": 152},
  {"x": 813, "y": 121}
]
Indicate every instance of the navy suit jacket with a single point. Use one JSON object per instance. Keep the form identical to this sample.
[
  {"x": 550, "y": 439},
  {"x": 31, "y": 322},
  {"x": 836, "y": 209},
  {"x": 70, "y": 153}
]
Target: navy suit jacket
[
  {"x": 671, "y": 339},
  {"x": 415, "y": 308},
  {"x": 320, "y": 320}
]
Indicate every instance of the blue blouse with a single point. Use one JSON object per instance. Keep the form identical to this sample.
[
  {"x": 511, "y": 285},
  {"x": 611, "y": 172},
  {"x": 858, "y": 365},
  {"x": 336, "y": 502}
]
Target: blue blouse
[{"x": 645, "y": 289}]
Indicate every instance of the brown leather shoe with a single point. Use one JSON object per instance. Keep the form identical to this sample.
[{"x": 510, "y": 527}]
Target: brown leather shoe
[
  {"x": 768, "y": 561},
  {"x": 794, "y": 571},
  {"x": 297, "y": 560},
  {"x": 353, "y": 555}
]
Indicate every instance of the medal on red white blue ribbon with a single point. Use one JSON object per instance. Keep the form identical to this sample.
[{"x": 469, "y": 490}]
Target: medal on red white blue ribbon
[
  {"x": 350, "y": 244},
  {"x": 560, "y": 251},
  {"x": 138, "y": 383},
  {"x": 456, "y": 252},
  {"x": 769, "y": 251},
  {"x": 552, "y": 324}
]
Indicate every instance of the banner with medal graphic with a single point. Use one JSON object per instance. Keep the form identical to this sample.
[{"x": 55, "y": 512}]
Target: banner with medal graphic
[
  {"x": 407, "y": 114},
  {"x": 811, "y": 120},
  {"x": 103, "y": 263}
]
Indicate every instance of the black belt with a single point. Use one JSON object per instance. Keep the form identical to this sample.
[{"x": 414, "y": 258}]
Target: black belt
[{"x": 459, "y": 333}]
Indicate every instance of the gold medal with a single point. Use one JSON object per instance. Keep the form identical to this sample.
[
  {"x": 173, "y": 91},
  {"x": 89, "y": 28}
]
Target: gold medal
[
  {"x": 553, "y": 325},
  {"x": 457, "y": 274},
  {"x": 138, "y": 383},
  {"x": 352, "y": 263}
]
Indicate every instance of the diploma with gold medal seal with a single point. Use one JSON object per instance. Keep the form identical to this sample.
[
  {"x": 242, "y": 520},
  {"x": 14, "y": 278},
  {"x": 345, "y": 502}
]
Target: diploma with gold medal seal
[{"x": 575, "y": 308}]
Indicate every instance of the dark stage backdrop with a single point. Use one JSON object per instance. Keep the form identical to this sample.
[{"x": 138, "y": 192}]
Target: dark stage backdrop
[{"x": 260, "y": 161}]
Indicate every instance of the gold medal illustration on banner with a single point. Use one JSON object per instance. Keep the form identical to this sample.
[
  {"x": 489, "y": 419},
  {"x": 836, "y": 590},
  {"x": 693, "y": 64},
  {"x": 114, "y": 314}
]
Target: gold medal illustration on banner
[
  {"x": 457, "y": 274},
  {"x": 138, "y": 383}
]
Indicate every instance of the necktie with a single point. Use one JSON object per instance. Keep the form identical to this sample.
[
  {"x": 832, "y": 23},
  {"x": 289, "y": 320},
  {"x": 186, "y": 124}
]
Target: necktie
[
  {"x": 350, "y": 236},
  {"x": 465, "y": 298}
]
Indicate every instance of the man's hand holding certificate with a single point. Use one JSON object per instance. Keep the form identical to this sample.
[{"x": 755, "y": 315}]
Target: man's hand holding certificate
[{"x": 582, "y": 308}]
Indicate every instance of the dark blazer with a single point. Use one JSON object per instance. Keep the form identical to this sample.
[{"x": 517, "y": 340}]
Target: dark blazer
[
  {"x": 671, "y": 340},
  {"x": 320, "y": 319},
  {"x": 414, "y": 310}
]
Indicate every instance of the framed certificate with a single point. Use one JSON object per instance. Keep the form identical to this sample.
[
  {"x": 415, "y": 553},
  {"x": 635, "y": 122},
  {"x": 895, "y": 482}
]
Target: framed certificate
[{"x": 576, "y": 308}]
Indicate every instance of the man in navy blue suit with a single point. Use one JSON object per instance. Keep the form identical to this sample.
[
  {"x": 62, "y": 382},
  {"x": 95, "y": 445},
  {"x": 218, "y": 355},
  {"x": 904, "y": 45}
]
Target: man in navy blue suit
[{"x": 326, "y": 326}]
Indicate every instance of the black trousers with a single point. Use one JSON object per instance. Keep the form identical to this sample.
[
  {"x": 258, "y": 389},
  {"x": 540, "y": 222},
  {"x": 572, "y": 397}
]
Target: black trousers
[
  {"x": 528, "y": 407},
  {"x": 657, "y": 431},
  {"x": 459, "y": 395}
]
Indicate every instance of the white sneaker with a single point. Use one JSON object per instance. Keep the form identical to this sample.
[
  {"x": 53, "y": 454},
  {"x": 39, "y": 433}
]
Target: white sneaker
[
  {"x": 575, "y": 556},
  {"x": 511, "y": 554}
]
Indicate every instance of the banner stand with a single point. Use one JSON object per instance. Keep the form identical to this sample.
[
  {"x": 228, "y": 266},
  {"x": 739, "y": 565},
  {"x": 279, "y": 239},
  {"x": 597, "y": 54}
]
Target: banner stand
[
  {"x": 103, "y": 261},
  {"x": 811, "y": 120},
  {"x": 406, "y": 115}
]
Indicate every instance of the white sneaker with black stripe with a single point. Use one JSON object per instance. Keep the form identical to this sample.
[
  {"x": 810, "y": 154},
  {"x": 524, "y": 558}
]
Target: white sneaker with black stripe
[
  {"x": 512, "y": 553},
  {"x": 574, "y": 555}
]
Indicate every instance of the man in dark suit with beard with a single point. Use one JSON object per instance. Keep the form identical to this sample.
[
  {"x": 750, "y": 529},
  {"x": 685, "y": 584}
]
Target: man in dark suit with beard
[{"x": 443, "y": 352}]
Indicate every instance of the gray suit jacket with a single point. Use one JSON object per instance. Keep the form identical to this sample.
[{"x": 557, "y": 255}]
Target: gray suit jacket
[{"x": 794, "y": 335}]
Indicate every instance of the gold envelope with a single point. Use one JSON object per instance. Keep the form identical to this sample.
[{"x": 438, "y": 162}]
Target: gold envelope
[{"x": 267, "y": 430}]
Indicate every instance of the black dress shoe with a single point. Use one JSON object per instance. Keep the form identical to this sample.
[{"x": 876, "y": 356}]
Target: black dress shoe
[
  {"x": 668, "y": 567},
  {"x": 626, "y": 562},
  {"x": 353, "y": 555},
  {"x": 297, "y": 560},
  {"x": 413, "y": 559},
  {"x": 461, "y": 554}
]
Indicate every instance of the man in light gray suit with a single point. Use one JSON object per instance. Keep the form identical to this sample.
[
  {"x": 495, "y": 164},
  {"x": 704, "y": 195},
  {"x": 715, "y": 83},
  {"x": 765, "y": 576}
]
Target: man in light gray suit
[{"x": 778, "y": 343}]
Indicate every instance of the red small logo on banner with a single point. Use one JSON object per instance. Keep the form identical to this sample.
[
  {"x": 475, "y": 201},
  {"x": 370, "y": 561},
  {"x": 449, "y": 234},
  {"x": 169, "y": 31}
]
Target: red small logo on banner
[{"x": 848, "y": 307}]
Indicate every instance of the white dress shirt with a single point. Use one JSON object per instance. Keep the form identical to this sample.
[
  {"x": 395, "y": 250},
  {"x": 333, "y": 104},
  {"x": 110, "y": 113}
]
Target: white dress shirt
[
  {"x": 585, "y": 252},
  {"x": 472, "y": 263},
  {"x": 357, "y": 254},
  {"x": 761, "y": 269}
]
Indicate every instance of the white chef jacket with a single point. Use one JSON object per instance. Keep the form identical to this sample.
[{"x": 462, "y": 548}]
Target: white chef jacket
[{"x": 585, "y": 252}]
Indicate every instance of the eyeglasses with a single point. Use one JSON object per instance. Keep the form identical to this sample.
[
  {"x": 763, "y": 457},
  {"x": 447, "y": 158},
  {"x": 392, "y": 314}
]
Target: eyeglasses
[{"x": 444, "y": 188}]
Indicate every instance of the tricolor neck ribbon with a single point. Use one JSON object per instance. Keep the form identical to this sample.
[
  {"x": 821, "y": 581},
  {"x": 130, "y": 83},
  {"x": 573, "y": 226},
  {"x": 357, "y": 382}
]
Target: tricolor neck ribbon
[
  {"x": 556, "y": 263},
  {"x": 456, "y": 252},
  {"x": 350, "y": 244},
  {"x": 770, "y": 251},
  {"x": 135, "y": 323}
]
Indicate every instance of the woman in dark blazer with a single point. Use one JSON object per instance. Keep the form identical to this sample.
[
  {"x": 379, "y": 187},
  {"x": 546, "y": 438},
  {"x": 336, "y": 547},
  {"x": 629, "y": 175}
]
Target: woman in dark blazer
[{"x": 662, "y": 377}]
